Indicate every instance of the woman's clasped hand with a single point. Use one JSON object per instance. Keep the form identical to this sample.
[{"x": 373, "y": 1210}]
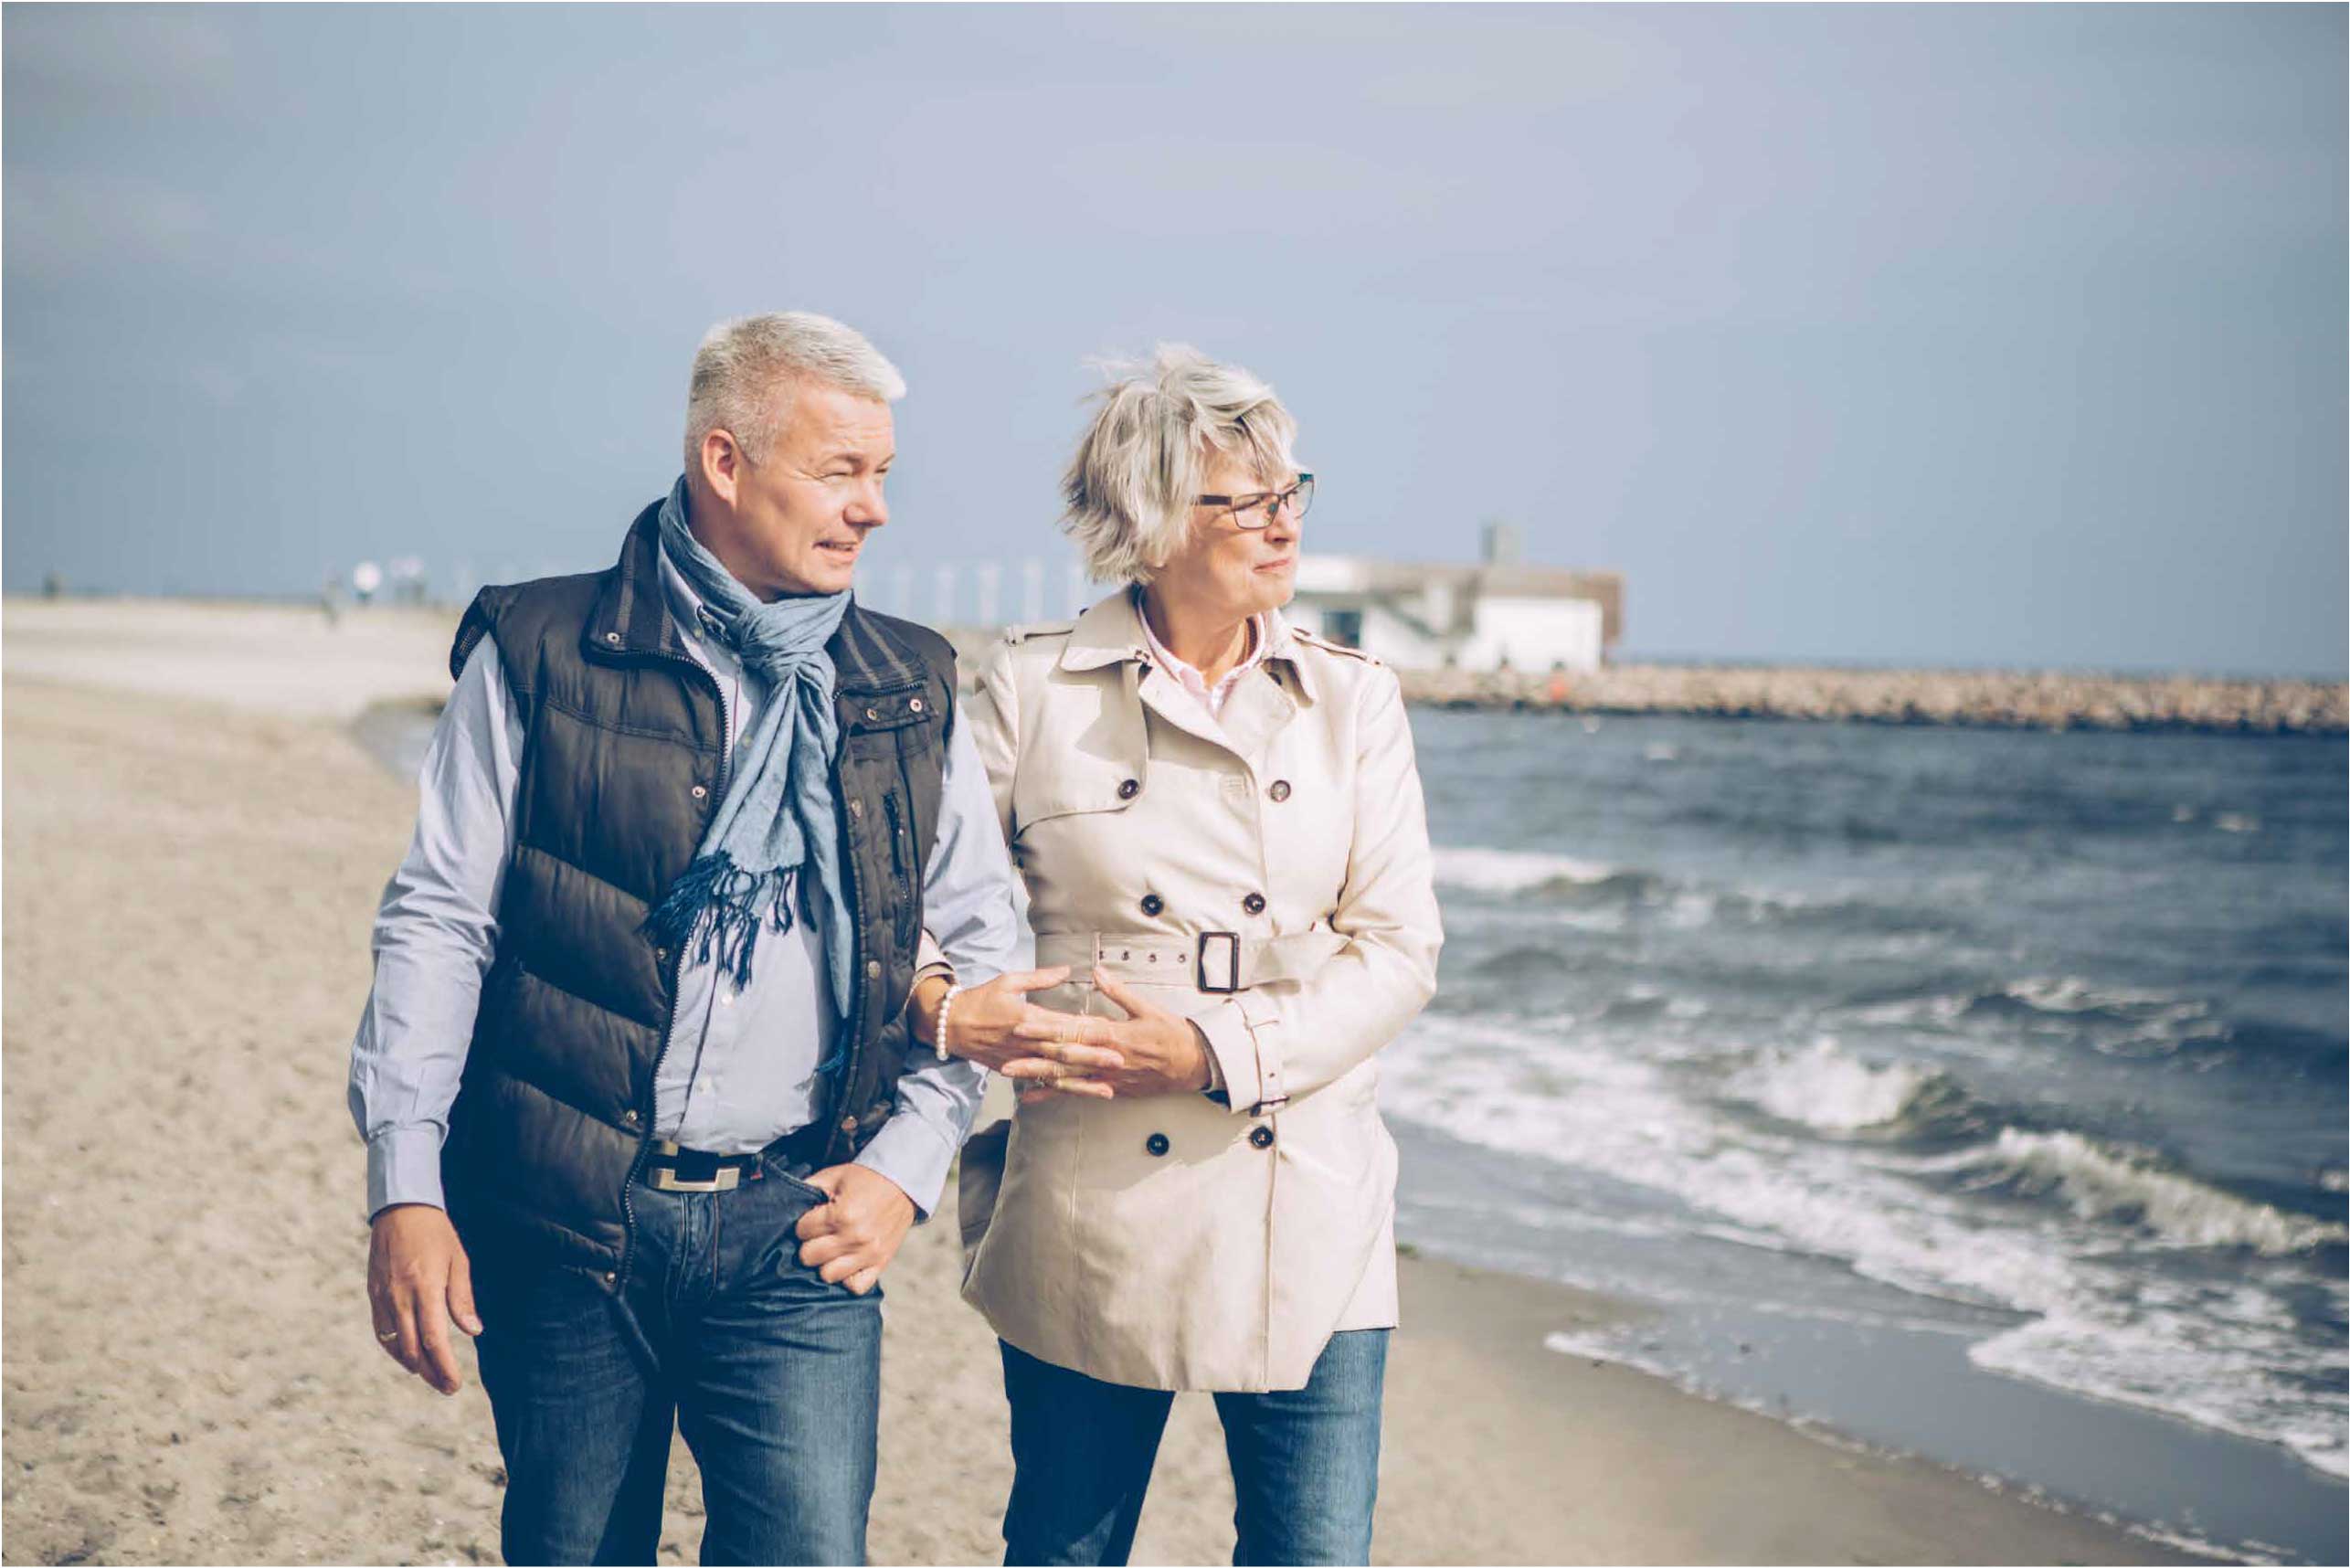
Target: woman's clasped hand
[
  {"x": 997, "y": 1026},
  {"x": 1150, "y": 1052}
]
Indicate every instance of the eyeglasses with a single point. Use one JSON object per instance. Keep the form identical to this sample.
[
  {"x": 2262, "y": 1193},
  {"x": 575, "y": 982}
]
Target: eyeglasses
[{"x": 1256, "y": 511}]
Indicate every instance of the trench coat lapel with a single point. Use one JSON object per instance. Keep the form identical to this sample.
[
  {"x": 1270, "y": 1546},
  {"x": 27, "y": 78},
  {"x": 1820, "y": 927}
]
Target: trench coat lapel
[
  {"x": 1254, "y": 714},
  {"x": 1111, "y": 632}
]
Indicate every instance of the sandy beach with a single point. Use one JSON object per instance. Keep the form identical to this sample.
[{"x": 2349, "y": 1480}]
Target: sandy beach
[{"x": 194, "y": 844}]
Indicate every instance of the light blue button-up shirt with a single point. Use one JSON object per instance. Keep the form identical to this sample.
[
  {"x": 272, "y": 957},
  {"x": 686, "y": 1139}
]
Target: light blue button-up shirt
[{"x": 741, "y": 1066}]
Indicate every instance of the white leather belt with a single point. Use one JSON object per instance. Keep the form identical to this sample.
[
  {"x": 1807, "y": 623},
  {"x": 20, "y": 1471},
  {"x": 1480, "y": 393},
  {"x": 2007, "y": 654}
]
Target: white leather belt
[{"x": 1218, "y": 962}]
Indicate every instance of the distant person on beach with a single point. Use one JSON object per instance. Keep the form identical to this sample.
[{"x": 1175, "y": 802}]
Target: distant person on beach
[
  {"x": 1218, "y": 819},
  {"x": 641, "y": 1108}
]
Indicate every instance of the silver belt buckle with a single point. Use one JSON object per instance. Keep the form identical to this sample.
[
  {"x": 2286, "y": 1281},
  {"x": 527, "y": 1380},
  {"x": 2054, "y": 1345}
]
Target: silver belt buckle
[
  {"x": 665, "y": 1179},
  {"x": 1231, "y": 963}
]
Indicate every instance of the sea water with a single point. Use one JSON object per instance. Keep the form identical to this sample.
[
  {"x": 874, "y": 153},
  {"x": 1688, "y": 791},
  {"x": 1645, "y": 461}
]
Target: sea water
[{"x": 1979, "y": 1093}]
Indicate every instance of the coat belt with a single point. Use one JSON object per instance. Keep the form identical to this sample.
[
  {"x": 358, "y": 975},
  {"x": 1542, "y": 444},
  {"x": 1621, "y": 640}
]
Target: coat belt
[{"x": 1213, "y": 962}]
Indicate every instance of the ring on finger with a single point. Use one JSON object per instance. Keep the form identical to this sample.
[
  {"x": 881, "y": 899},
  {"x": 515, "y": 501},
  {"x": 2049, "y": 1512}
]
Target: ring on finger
[{"x": 387, "y": 1337}]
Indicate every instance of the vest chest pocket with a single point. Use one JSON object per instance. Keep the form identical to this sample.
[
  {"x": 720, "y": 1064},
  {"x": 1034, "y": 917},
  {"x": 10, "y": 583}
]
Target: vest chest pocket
[
  {"x": 894, "y": 748},
  {"x": 873, "y": 723}
]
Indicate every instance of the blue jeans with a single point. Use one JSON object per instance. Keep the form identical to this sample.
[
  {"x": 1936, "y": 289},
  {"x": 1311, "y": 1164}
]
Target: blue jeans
[
  {"x": 1304, "y": 1462},
  {"x": 773, "y": 1375}
]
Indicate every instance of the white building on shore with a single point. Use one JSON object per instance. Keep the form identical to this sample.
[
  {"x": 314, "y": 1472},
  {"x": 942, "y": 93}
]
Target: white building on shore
[{"x": 1498, "y": 614}]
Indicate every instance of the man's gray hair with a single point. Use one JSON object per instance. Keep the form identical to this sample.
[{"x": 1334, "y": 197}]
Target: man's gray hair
[
  {"x": 1128, "y": 490},
  {"x": 745, "y": 367}
]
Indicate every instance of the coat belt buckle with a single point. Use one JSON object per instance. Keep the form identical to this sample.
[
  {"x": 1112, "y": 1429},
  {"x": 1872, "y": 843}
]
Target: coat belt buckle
[{"x": 1231, "y": 963}]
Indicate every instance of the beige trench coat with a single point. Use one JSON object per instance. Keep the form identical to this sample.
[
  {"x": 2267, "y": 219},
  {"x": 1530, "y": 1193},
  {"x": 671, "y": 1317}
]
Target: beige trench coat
[{"x": 1168, "y": 1241}]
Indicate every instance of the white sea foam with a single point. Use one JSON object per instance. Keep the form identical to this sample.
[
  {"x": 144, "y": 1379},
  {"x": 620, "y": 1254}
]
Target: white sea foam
[
  {"x": 2070, "y": 993},
  {"x": 1587, "y": 1099},
  {"x": 2103, "y": 1181},
  {"x": 2227, "y": 1387},
  {"x": 1822, "y": 1087},
  {"x": 1511, "y": 871}
]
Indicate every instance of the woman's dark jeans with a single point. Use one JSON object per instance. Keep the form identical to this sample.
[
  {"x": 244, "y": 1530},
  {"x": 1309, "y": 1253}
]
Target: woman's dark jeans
[
  {"x": 773, "y": 1375},
  {"x": 1304, "y": 1462}
]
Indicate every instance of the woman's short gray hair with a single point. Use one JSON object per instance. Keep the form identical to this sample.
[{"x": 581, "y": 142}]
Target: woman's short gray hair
[
  {"x": 1128, "y": 490},
  {"x": 744, "y": 364}
]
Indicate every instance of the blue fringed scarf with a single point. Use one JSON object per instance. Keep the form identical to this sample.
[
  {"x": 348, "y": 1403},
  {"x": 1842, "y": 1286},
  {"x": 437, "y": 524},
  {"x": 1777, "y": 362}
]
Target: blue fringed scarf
[{"x": 777, "y": 817}]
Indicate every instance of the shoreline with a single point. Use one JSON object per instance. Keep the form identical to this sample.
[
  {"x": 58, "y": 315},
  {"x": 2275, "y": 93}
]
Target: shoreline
[{"x": 1467, "y": 1327}]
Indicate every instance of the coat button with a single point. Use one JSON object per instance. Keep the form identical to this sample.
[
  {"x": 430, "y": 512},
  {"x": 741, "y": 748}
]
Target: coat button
[
  {"x": 914, "y": 704},
  {"x": 660, "y": 955},
  {"x": 872, "y": 968},
  {"x": 701, "y": 791},
  {"x": 1130, "y": 790},
  {"x": 1280, "y": 791},
  {"x": 1152, "y": 903},
  {"x": 1254, "y": 903},
  {"x": 849, "y": 1124},
  {"x": 874, "y": 714},
  {"x": 856, "y": 807},
  {"x": 1261, "y": 1136},
  {"x": 1155, "y": 1143},
  {"x": 611, "y": 1278},
  {"x": 630, "y": 1116},
  {"x": 614, "y": 639}
]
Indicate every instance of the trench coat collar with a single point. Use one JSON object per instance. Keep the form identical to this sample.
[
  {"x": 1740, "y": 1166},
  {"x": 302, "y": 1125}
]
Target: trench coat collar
[{"x": 1111, "y": 632}]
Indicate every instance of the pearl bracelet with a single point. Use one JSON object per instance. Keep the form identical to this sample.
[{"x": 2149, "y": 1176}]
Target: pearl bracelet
[{"x": 946, "y": 1005}]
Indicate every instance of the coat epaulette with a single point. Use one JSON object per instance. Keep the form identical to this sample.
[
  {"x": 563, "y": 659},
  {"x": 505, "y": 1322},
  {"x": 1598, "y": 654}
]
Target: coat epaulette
[
  {"x": 1016, "y": 635},
  {"x": 1324, "y": 643}
]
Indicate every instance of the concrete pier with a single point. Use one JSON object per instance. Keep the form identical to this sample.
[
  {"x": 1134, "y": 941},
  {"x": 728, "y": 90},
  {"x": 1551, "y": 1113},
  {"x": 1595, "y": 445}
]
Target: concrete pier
[
  {"x": 2006, "y": 699},
  {"x": 2054, "y": 700}
]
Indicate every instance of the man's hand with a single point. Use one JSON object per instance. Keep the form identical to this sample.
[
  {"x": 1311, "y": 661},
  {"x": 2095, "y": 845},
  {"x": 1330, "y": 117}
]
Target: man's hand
[
  {"x": 997, "y": 1026},
  {"x": 1160, "y": 1052},
  {"x": 852, "y": 1238},
  {"x": 419, "y": 1279}
]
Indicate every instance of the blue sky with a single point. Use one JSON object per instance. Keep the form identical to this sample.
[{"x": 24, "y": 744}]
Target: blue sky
[{"x": 2000, "y": 335}]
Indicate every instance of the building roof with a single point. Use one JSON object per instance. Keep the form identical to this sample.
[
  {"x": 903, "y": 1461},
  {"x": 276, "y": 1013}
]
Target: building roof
[{"x": 1399, "y": 582}]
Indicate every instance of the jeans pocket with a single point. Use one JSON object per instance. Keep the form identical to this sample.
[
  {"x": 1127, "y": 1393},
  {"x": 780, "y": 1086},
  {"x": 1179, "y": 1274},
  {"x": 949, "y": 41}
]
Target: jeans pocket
[{"x": 797, "y": 1183}]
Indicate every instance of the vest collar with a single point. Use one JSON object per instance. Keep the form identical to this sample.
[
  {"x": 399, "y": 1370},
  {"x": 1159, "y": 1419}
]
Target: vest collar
[
  {"x": 632, "y": 614},
  {"x": 633, "y": 618},
  {"x": 1111, "y": 632}
]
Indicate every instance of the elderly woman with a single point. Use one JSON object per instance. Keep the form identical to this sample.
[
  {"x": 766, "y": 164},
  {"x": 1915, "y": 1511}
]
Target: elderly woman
[{"x": 1219, "y": 821}]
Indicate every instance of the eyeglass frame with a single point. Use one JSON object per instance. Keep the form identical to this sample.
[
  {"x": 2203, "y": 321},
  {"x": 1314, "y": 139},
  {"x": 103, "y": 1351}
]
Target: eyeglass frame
[{"x": 1255, "y": 499}]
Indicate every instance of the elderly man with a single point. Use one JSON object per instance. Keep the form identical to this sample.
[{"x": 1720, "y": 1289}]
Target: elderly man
[{"x": 689, "y": 828}]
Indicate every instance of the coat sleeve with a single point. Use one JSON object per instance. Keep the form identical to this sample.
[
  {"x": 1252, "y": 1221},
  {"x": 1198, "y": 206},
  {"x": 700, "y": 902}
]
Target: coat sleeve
[
  {"x": 992, "y": 710},
  {"x": 1289, "y": 1037}
]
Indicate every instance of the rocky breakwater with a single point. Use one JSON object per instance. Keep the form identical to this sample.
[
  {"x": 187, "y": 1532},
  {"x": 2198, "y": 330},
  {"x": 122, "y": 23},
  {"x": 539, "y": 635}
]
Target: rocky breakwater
[{"x": 2004, "y": 699}]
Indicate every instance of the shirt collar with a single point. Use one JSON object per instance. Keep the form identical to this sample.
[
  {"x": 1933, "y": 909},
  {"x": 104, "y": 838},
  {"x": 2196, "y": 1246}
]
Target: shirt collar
[
  {"x": 1189, "y": 674},
  {"x": 1112, "y": 632}
]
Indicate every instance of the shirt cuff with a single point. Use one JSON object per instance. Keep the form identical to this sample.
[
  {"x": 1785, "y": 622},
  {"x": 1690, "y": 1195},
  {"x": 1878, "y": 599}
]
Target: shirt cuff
[
  {"x": 910, "y": 1152},
  {"x": 404, "y": 1167},
  {"x": 929, "y": 959}
]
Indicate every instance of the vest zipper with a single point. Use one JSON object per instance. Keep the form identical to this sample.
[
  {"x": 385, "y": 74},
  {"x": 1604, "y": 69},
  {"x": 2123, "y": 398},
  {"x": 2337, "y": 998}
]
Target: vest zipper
[
  {"x": 896, "y": 836},
  {"x": 676, "y": 963}
]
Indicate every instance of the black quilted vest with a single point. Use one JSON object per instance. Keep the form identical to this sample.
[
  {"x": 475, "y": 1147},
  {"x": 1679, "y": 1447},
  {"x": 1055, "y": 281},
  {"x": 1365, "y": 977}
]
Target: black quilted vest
[{"x": 624, "y": 732}]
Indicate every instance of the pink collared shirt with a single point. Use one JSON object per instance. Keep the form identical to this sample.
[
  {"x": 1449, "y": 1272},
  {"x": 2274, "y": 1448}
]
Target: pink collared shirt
[{"x": 1190, "y": 679}]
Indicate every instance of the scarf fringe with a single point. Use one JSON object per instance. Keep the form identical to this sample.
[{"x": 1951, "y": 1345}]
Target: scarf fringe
[{"x": 723, "y": 902}]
